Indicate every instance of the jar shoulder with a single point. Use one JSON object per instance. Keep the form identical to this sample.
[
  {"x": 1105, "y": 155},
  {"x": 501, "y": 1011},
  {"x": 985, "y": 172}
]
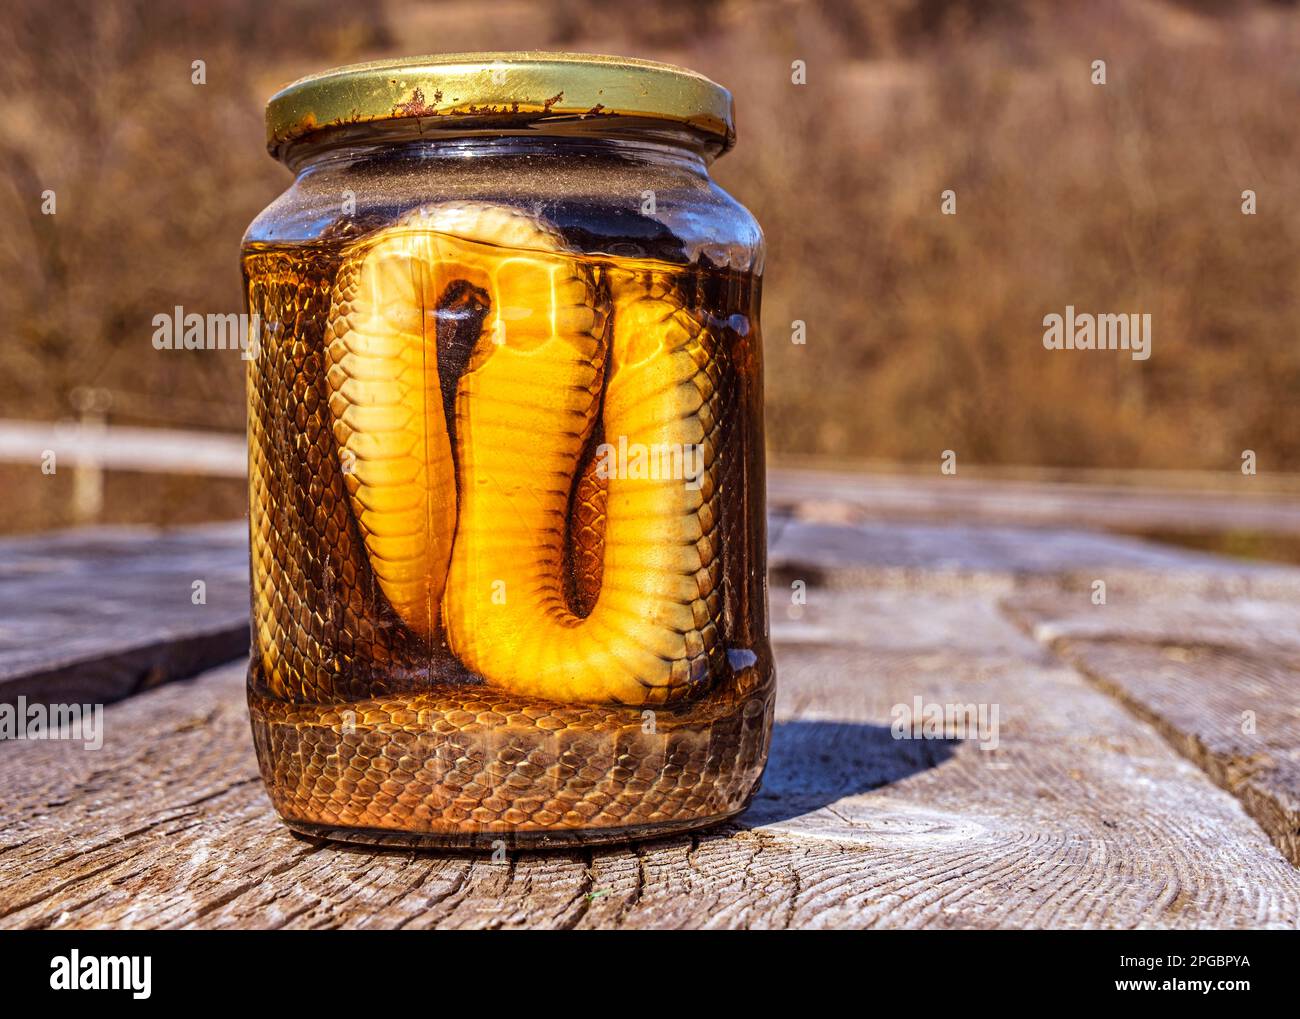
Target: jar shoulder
[{"x": 600, "y": 202}]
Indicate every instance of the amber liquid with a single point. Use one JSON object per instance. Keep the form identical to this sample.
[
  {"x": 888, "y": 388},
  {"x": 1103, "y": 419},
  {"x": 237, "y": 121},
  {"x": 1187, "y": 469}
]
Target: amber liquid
[{"x": 328, "y": 645}]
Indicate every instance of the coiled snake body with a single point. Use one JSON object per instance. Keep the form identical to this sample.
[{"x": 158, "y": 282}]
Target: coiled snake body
[{"x": 424, "y": 496}]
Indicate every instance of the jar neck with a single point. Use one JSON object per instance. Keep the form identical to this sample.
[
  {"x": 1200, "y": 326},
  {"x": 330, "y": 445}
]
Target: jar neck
[{"x": 657, "y": 145}]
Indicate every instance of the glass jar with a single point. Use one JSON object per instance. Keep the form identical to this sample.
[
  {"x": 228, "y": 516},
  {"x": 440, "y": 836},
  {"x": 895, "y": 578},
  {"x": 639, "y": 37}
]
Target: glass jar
[{"x": 506, "y": 456}]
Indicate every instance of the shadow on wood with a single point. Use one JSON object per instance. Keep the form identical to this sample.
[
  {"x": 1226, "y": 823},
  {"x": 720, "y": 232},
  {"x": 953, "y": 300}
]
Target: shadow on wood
[{"x": 813, "y": 764}]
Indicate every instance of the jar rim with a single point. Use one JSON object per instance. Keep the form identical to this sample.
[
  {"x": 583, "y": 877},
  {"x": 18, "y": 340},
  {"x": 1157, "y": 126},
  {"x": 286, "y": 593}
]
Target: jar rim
[{"x": 501, "y": 90}]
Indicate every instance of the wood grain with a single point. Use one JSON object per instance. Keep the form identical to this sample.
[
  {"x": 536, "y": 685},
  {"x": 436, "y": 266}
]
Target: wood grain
[
  {"x": 1234, "y": 502},
  {"x": 97, "y": 615},
  {"x": 1083, "y": 816},
  {"x": 1220, "y": 678}
]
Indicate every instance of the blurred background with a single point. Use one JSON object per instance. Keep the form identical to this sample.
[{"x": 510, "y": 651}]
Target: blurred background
[{"x": 924, "y": 331}]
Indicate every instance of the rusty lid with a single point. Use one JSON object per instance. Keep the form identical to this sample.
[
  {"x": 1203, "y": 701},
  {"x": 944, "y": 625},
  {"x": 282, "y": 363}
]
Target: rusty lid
[{"x": 499, "y": 91}]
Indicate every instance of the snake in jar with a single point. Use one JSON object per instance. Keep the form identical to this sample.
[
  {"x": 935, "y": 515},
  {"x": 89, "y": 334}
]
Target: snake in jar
[
  {"x": 483, "y": 533},
  {"x": 486, "y": 524}
]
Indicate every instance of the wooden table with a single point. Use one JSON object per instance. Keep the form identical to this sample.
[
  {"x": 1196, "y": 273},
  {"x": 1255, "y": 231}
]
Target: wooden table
[{"x": 1146, "y": 769}]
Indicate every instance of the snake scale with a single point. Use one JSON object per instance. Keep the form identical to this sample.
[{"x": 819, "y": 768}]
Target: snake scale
[{"x": 463, "y": 626}]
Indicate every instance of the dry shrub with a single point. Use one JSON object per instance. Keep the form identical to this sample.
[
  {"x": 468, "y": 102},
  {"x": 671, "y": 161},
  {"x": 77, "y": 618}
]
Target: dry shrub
[{"x": 924, "y": 331}]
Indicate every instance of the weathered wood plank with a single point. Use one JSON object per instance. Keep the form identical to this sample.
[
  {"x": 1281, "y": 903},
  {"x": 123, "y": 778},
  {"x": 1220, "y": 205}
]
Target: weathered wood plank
[
  {"x": 1236, "y": 503},
  {"x": 124, "y": 448},
  {"x": 96, "y": 615},
  {"x": 130, "y": 589},
  {"x": 849, "y": 547},
  {"x": 1082, "y": 816},
  {"x": 1220, "y": 679}
]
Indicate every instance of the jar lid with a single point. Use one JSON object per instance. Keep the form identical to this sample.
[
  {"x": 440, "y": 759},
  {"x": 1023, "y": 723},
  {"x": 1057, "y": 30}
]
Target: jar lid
[{"x": 499, "y": 90}]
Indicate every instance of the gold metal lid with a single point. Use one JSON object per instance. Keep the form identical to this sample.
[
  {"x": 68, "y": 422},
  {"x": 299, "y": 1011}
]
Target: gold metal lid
[{"x": 497, "y": 90}]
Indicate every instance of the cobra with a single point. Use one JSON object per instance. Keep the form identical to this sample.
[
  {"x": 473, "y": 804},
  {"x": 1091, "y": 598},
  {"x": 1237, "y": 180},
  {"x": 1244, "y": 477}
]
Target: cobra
[
  {"x": 420, "y": 449},
  {"x": 464, "y": 489}
]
